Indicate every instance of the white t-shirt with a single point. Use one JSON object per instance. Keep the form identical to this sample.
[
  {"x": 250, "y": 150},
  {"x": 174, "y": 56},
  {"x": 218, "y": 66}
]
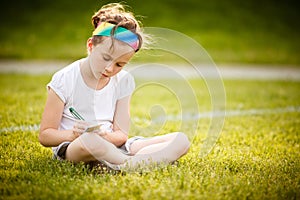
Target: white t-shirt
[{"x": 93, "y": 105}]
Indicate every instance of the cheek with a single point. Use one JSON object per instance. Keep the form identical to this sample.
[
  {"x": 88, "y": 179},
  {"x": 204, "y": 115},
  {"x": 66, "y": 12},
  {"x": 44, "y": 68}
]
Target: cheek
[
  {"x": 96, "y": 62},
  {"x": 117, "y": 69}
]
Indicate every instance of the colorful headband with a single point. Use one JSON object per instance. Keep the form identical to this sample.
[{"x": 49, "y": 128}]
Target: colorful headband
[{"x": 121, "y": 34}]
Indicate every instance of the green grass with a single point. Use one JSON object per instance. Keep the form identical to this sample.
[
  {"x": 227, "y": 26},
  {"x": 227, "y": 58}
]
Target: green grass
[
  {"x": 256, "y": 156},
  {"x": 231, "y": 31}
]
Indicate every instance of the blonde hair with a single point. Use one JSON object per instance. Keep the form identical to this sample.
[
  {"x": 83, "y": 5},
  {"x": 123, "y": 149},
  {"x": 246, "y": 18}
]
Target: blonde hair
[{"x": 115, "y": 13}]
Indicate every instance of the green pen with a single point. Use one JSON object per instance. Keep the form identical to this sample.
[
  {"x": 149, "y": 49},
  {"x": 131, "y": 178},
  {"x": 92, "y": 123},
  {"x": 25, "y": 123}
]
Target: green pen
[{"x": 75, "y": 114}]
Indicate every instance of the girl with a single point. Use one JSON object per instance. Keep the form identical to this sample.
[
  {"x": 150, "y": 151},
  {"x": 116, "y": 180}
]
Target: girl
[{"x": 99, "y": 89}]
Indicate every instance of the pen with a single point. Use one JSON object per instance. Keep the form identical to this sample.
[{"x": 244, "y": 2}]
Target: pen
[{"x": 75, "y": 114}]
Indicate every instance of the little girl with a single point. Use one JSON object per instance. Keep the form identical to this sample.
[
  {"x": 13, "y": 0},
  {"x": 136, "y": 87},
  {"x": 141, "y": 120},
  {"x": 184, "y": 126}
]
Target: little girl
[{"x": 99, "y": 90}]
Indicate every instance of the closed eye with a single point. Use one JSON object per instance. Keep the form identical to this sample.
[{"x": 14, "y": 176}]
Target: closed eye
[
  {"x": 106, "y": 57},
  {"x": 119, "y": 65}
]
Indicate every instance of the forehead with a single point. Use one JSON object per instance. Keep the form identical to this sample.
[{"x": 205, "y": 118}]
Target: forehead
[{"x": 114, "y": 48}]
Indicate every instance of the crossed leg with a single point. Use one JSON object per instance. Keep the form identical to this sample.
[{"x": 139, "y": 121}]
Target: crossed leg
[
  {"x": 91, "y": 147},
  {"x": 157, "y": 143},
  {"x": 166, "y": 148}
]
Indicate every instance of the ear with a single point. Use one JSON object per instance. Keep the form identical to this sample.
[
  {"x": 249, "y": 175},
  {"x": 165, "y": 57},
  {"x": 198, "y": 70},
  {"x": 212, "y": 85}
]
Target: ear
[{"x": 89, "y": 45}]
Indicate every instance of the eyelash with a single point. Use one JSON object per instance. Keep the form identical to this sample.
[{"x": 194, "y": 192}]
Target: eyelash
[{"x": 106, "y": 58}]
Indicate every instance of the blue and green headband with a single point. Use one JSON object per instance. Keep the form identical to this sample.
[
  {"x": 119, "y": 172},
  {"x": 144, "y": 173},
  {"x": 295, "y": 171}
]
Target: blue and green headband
[{"x": 121, "y": 34}]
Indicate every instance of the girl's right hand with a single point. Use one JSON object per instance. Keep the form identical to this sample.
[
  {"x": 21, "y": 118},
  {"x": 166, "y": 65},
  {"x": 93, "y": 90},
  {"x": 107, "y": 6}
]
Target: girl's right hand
[{"x": 79, "y": 127}]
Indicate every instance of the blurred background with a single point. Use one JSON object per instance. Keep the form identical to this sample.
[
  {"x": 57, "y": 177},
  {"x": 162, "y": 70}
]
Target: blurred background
[{"x": 232, "y": 31}]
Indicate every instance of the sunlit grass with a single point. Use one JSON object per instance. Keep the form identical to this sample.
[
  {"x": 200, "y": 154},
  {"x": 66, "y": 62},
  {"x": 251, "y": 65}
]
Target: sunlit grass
[{"x": 256, "y": 156}]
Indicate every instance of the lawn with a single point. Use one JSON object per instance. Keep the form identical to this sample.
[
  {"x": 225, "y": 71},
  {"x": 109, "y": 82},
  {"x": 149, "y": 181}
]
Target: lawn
[{"x": 255, "y": 157}]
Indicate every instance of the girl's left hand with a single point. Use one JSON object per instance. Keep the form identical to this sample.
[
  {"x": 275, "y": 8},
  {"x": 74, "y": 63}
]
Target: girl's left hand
[
  {"x": 100, "y": 132},
  {"x": 103, "y": 131}
]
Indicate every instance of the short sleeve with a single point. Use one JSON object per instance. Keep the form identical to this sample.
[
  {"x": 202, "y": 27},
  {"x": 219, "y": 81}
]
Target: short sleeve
[
  {"x": 57, "y": 84},
  {"x": 126, "y": 85}
]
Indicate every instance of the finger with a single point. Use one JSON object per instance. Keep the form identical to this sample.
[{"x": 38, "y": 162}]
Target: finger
[
  {"x": 80, "y": 126},
  {"x": 75, "y": 133},
  {"x": 78, "y": 131}
]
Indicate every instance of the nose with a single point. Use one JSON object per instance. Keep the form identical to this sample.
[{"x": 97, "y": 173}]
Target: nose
[{"x": 109, "y": 68}]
